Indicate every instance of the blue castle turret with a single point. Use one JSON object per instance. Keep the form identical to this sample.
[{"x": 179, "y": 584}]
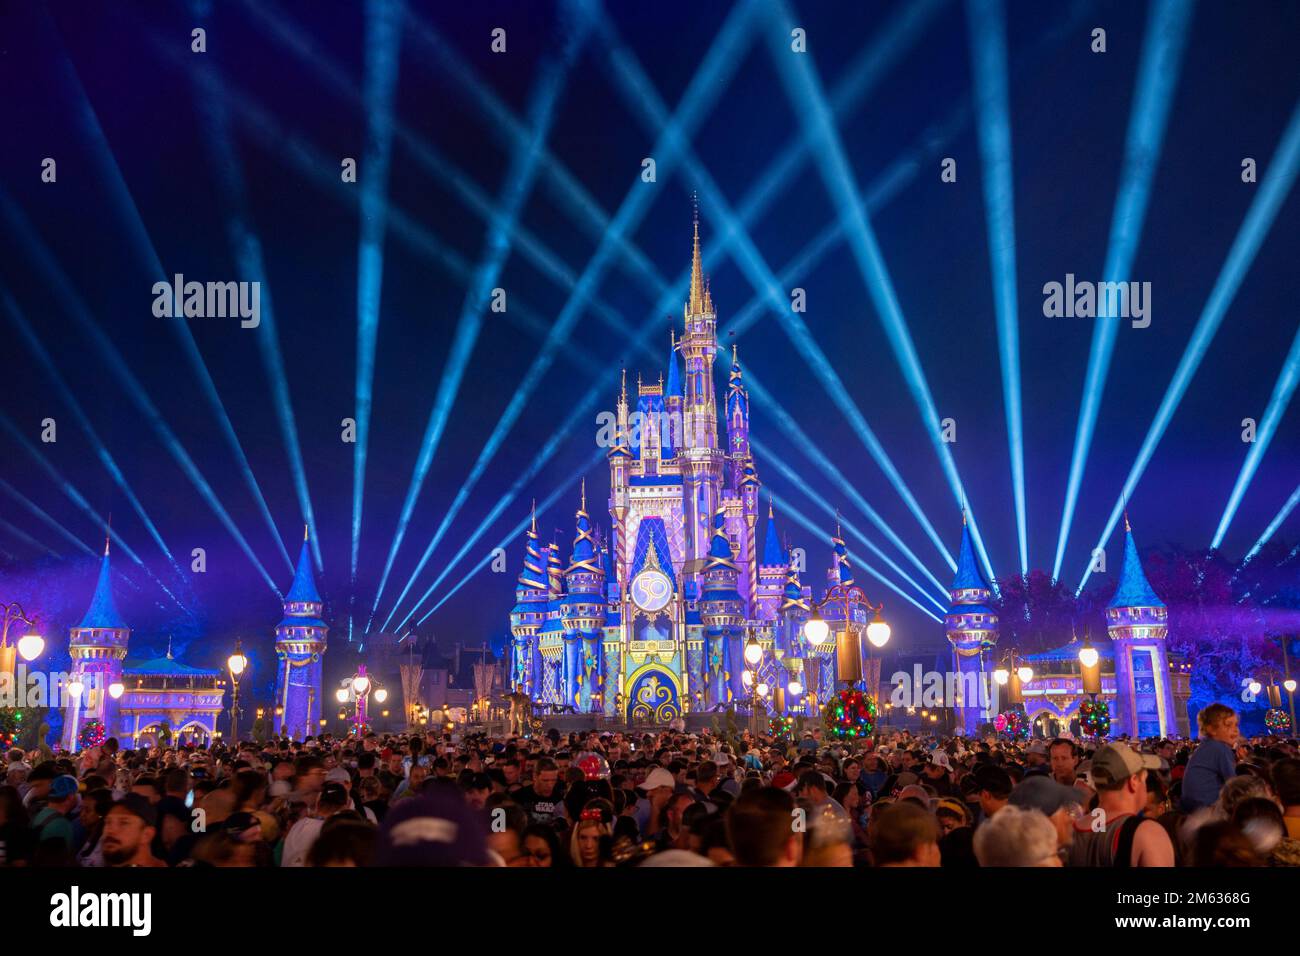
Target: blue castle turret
[
  {"x": 1138, "y": 621},
  {"x": 584, "y": 616},
  {"x": 300, "y": 643},
  {"x": 98, "y": 647},
  {"x": 972, "y": 628},
  {"x": 528, "y": 613},
  {"x": 722, "y": 613}
]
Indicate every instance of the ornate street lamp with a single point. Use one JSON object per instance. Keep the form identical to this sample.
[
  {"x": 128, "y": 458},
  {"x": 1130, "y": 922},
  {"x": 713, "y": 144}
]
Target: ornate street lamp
[{"x": 236, "y": 663}]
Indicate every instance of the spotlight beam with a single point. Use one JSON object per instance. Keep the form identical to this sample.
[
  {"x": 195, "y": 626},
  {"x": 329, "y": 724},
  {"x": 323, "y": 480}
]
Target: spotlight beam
[
  {"x": 247, "y": 250},
  {"x": 519, "y": 181},
  {"x": 808, "y": 100},
  {"x": 77, "y": 498},
  {"x": 640, "y": 95},
  {"x": 514, "y": 533},
  {"x": 383, "y": 45},
  {"x": 83, "y": 420},
  {"x": 795, "y": 479},
  {"x": 43, "y": 516},
  {"x": 62, "y": 289},
  {"x": 987, "y": 21},
  {"x": 28, "y": 540},
  {"x": 811, "y": 526},
  {"x": 706, "y": 86},
  {"x": 1274, "y": 186},
  {"x": 130, "y": 212},
  {"x": 1283, "y": 513},
  {"x": 1283, "y": 389},
  {"x": 1158, "y": 71}
]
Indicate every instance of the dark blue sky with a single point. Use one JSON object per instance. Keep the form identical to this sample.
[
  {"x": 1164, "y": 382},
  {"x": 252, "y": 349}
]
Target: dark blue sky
[{"x": 1069, "y": 111}]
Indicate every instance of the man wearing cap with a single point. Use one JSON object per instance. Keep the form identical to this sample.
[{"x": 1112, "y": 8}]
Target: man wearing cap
[
  {"x": 129, "y": 829},
  {"x": 657, "y": 789},
  {"x": 52, "y": 823},
  {"x": 1059, "y": 803},
  {"x": 1114, "y": 834},
  {"x": 1036, "y": 758}
]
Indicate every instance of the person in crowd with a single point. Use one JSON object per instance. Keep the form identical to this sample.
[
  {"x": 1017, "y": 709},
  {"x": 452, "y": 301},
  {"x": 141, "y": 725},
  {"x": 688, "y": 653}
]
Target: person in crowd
[
  {"x": 1124, "y": 838},
  {"x": 905, "y": 835},
  {"x": 1018, "y": 835},
  {"x": 1214, "y": 762}
]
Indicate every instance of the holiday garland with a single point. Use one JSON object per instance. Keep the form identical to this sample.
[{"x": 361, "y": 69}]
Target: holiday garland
[
  {"x": 850, "y": 714},
  {"x": 10, "y": 726},
  {"x": 1277, "y": 721},
  {"x": 781, "y": 726},
  {"x": 92, "y": 733},
  {"x": 1094, "y": 718}
]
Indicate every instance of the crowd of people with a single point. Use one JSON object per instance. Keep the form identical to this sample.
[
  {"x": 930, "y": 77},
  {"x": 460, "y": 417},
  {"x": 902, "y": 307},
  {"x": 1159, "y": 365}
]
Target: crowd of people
[{"x": 599, "y": 799}]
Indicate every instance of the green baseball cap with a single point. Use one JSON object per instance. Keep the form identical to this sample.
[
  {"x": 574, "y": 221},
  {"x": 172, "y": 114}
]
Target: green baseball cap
[{"x": 1115, "y": 763}]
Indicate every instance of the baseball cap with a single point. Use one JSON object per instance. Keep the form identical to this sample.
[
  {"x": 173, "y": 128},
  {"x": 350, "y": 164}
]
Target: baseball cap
[
  {"x": 1114, "y": 763},
  {"x": 139, "y": 806},
  {"x": 63, "y": 787},
  {"x": 1038, "y": 747},
  {"x": 658, "y": 777},
  {"x": 1045, "y": 794},
  {"x": 338, "y": 775},
  {"x": 437, "y": 829},
  {"x": 333, "y": 794}
]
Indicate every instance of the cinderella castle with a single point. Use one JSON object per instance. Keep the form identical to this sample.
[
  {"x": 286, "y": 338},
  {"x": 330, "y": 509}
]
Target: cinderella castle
[{"x": 652, "y": 620}]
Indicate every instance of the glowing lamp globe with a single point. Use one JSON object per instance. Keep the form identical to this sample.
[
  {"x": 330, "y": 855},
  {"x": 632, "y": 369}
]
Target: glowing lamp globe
[
  {"x": 1026, "y": 674},
  {"x": 763, "y": 689},
  {"x": 1289, "y": 684},
  {"x": 341, "y": 695},
  {"x": 753, "y": 652},
  {"x": 1088, "y": 657},
  {"x": 115, "y": 689},
  {"x": 816, "y": 629},
  {"x": 361, "y": 684},
  {"x": 381, "y": 695},
  {"x": 30, "y": 646},
  {"x": 795, "y": 688},
  {"x": 1002, "y": 675},
  {"x": 1255, "y": 687},
  {"x": 878, "y": 631},
  {"x": 76, "y": 688},
  {"x": 237, "y": 662},
  {"x": 747, "y": 678}
]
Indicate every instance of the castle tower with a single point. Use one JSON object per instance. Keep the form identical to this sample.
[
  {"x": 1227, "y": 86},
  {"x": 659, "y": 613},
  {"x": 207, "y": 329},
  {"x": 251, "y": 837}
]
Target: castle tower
[
  {"x": 98, "y": 648},
  {"x": 771, "y": 572},
  {"x": 584, "y": 616},
  {"x": 702, "y": 459},
  {"x": 972, "y": 628},
  {"x": 1137, "y": 621},
  {"x": 620, "y": 457},
  {"x": 722, "y": 614},
  {"x": 299, "y": 646},
  {"x": 551, "y": 638},
  {"x": 528, "y": 613}
]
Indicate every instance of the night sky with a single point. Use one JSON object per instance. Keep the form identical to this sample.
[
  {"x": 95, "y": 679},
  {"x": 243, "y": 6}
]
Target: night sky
[{"x": 132, "y": 66}]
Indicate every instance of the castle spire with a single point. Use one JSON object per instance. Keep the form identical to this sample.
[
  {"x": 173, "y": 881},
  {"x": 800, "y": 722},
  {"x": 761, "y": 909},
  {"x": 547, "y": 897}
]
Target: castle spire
[{"x": 696, "y": 306}]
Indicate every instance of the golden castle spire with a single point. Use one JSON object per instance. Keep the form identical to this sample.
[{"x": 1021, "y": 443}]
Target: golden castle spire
[{"x": 697, "y": 305}]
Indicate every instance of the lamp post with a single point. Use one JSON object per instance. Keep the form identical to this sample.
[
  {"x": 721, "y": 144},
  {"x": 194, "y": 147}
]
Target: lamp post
[
  {"x": 753, "y": 660},
  {"x": 237, "y": 663},
  {"x": 848, "y": 649},
  {"x": 29, "y": 645}
]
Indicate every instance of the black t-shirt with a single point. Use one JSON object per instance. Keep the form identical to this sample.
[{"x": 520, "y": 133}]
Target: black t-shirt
[{"x": 540, "y": 809}]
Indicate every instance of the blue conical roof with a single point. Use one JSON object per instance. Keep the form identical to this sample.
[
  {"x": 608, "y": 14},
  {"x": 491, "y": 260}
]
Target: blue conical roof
[
  {"x": 720, "y": 546},
  {"x": 773, "y": 553},
  {"x": 674, "y": 373},
  {"x": 102, "y": 612},
  {"x": 303, "y": 590},
  {"x": 1134, "y": 590},
  {"x": 969, "y": 577}
]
